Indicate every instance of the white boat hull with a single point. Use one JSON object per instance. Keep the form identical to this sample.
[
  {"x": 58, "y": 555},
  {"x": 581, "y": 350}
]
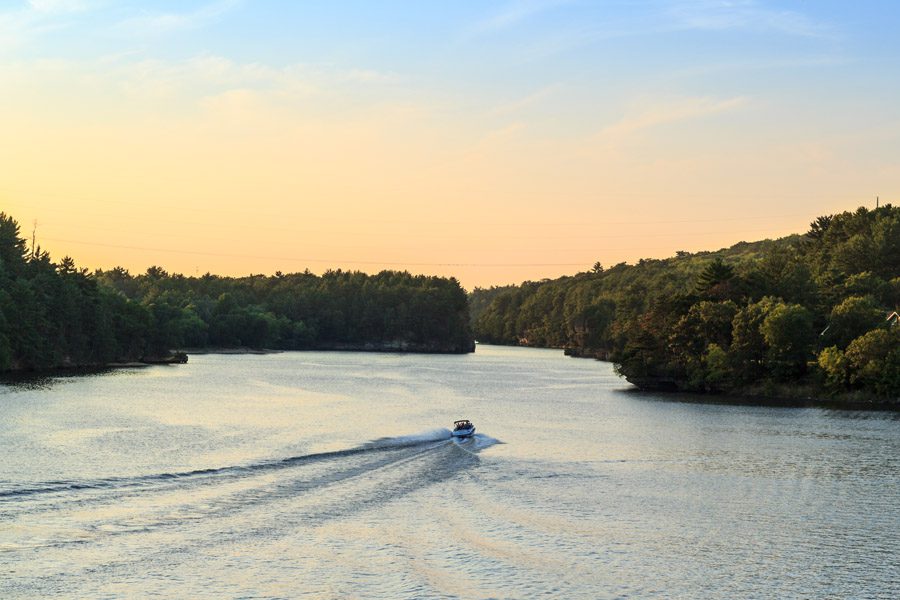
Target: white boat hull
[{"x": 463, "y": 433}]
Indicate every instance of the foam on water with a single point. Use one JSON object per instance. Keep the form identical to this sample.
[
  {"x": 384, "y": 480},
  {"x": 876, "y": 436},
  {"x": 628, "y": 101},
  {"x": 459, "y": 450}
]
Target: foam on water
[
  {"x": 425, "y": 437},
  {"x": 422, "y": 439}
]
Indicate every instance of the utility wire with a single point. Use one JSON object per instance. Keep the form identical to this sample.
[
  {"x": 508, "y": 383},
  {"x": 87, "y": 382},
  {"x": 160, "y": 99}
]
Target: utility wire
[
  {"x": 316, "y": 260},
  {"x": 453, "y": 235},
  {"x": 184, "y": 207}
]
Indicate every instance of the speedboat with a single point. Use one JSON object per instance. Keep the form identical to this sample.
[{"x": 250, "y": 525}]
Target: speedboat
[{"x": 463, "y": 429}]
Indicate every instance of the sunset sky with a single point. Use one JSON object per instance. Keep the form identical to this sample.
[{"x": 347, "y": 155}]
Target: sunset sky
[{"x": 496, "y": 142}]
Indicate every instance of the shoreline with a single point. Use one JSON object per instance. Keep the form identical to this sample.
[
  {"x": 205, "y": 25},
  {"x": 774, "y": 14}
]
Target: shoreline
[
  {"x": 731, "y": 399},
  {"x": 667, "y": 390},
  {"x": 235, "y": 351},
  {"x": 802, "y": 399},
  {"x": 802, "y": 394},
  {"x": 180, "y": 356}
]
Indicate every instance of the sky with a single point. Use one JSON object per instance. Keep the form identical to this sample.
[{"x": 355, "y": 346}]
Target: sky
[{"x": 496, "y": 142}]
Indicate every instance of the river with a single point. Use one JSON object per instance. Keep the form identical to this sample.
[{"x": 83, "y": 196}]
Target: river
[{"x": 333, "y": 475}]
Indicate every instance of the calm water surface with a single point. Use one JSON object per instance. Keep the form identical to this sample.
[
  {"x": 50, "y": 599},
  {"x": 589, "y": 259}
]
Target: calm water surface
[{"x": 333, "y": 475}]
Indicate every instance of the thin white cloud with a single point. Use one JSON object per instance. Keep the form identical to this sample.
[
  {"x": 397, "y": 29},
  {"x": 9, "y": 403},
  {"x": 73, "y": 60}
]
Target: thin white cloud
[
  {"x": 766, "y": 64},
  {"x": 18, "y": 28},
  {"x": 654, "y": 17},
  {"x": 209, "y": 75},
  {"x": 718, "y": 15},
  {"x": 535, "y": 98},
  {"x": 515, "y": 13},
  {"x": 494, "y": 140},
  {"x": 37, "y": 17},
  {"x": 210, "y": 71},
  {"x": 669, "y": 112},
  {"x": 58, "y": 6},
  {"x": 162, "y": 23},
  {"x": 371, "y": 76},
  {"x": 205, "y": 83}
]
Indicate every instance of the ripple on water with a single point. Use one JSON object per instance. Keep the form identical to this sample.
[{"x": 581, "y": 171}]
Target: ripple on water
[{"x": 312, "y": 481}]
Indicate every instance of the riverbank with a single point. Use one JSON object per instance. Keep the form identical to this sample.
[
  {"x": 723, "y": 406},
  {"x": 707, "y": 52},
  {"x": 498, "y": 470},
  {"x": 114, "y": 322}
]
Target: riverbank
[
  {"x": 220, "y": 350},
  {"x": 397, "y": 346},
  {"x": 180, "y": 356},
  {"x": 389, "y": 347},
  {"x": 176, "y": 357},
  {"x": 789, "y": 395},
  {"x": 803, "y": 394},
  {"x": 847, "y": 402}
]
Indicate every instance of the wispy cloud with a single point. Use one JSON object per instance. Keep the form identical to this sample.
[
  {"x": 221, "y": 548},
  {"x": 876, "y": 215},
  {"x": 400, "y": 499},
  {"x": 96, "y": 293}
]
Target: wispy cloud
[
  {"x": 666, "y": 113},
  {"x": 750, "y": 15},
  {"x": 532, "y": 99},
  {"x": 153, "y": 23},
  {"x": 21, "y": 25},
  {"x": 763, "y": 64},
  {"x": 58, "y": 6},
  {"x": 371, "y": 76},
  {"x": 650, "y": 18},
  {"x": 208, "y": 75},
  {"x": 24, "y": 23},
  {"x": 514, "y": 13},
  {"x": 138, "y": 86}
]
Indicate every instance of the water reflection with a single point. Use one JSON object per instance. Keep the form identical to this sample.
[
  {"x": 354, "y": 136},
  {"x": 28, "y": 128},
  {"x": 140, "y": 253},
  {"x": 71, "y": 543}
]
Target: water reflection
[
  {"x": 12, "y": 382},
  {"x": 333, "y": 475},
  {"x": 891, "y": 409}
]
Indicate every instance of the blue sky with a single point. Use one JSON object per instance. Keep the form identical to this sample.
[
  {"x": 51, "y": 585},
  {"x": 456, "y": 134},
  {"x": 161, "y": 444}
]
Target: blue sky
[{"x": 580, "y": 114}]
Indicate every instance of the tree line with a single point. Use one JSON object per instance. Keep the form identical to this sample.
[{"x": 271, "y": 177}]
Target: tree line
[
  {"x": 54, "y": 314},
  {"x": 806, "y": 314}
]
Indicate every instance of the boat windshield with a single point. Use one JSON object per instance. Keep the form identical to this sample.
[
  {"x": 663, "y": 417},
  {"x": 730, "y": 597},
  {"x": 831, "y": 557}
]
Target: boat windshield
[{"x": 462, "y": 424}]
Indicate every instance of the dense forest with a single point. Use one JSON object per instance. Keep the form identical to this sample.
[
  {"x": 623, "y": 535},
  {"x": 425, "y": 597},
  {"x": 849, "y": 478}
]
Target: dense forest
[
  {"x": 57, "y": 315},
  {"x": 812, "y": 314}
]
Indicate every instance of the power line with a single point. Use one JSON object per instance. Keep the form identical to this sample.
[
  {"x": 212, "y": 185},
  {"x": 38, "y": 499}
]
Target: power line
[
  {"x": 456, "y": 235},
  {"x": 343, "y": 218},
  {"x": 204, "y": 228},
  {"x": 316, "y": 260}
]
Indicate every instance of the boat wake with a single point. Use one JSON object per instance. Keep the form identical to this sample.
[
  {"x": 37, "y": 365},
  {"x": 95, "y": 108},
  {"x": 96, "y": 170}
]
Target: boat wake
[
  {"x": 296, "y": 492},
  {"x": 434, "y": 435},
  {"x": 375, "y": 453}
]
